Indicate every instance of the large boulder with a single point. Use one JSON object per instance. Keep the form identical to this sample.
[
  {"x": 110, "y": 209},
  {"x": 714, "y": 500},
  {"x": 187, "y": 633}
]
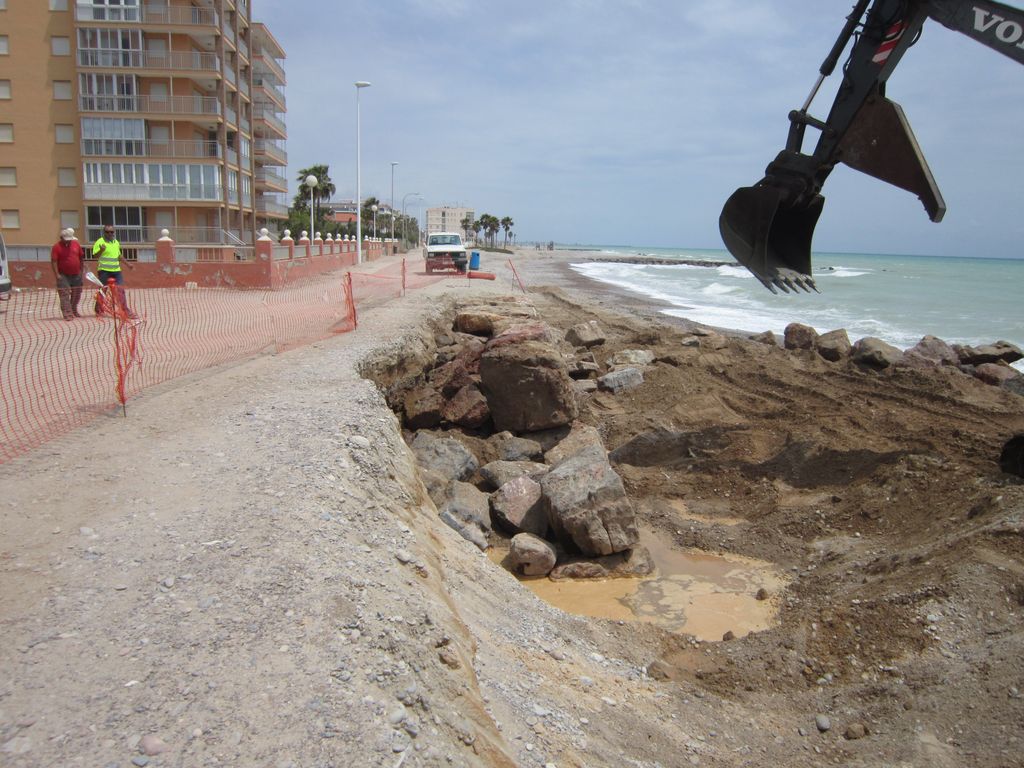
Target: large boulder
[
  {"x": 875, "y": 353},
  {"x": 444, "y": 455},
  {"x": 1001, "y": 351},
  {"x": 587, "y": 505},
  {"x": 527, "y": 387},
  {"x": 469, "y": 505},
  {"x": 997, "y": 374},
  {"x": 580, "y": 438},
  {"x": 468, "y": 408},
  {"x": 834, "y": 345},
  {"x": 518, "y": 507},
  {"x": 518, "y": 332},
  {"x": 478, "y": 322},
  {"x": 585, "y": 335},
  {"x": 452, "y": 376},
  {"x": 497, "y": 473},
  {"x": 512, "y": 448},
  {"x": 629, "y": 564},
  {"x": 799, "y": 336},
  {"x": 531, "y": 555},
  {"x": 632, "y": 357},
  {"x": 931, "y": 351},
  {"x": 621, "y": 379},
  {"x": 423, "y": 406}
]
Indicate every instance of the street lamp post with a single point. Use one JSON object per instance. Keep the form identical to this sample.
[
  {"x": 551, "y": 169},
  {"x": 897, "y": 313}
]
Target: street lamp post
[
  {"x": 407, "y": 194},
  {"x": 374, "y": 209},
  {"x": 360, "y": 84},
  {"x": 311, "y": 182},
  {"x": 393, "y": 164}
]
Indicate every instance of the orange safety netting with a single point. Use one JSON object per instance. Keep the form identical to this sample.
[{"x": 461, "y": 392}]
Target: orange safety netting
[{"x": 58, "y": 375}]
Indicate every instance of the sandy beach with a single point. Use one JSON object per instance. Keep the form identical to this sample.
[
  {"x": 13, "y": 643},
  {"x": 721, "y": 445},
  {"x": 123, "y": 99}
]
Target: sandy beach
[{"x": 248, "y": 570}]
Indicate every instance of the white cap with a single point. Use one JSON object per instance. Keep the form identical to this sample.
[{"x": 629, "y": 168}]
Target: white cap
[{"x": 65, "y": 233}]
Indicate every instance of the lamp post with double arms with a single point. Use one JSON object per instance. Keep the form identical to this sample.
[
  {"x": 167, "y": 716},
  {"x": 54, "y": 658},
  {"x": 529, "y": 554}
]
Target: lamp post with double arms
[{"x": 360, "y": 84}]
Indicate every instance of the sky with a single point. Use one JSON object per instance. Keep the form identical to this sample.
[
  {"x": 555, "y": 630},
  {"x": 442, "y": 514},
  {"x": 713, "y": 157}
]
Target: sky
[{"x": 632, "y": 121}]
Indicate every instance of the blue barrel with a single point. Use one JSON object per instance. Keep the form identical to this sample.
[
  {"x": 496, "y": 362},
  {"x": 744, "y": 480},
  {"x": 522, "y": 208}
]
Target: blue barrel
[{"x": 474, "y": 260}]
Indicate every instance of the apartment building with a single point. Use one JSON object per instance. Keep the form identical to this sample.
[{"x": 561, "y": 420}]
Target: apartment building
[
  {"x": 448, "y": 219},
  {"x": 147, "y": 114}
]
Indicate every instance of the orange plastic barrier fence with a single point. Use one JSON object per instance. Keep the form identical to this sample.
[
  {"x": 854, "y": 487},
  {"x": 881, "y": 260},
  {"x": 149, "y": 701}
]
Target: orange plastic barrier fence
[{"x": 56, "y": 375}]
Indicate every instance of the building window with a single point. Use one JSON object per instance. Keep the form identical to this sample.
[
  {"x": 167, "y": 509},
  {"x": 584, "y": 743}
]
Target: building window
[
  {"x": 108, "y": 10},
  {"x": 66, "y": 177},
  {"x": 6, "y": 133},
  {"x": 10, "y": 219},
  {"x": 8, "y": 177},
  {"x": 126, "y": 219},
  {"x": 58, "y": 5},
  {"x": 62, "y": 90},
  {"x": 4, "y": 49},
  {"x": 70, "y": 219},
  {"x": 5, "y": 89},
  {"x": 113, "y": 136},
  {"x": 65, "y": 134},
  {"x": 60, "y": 46}
]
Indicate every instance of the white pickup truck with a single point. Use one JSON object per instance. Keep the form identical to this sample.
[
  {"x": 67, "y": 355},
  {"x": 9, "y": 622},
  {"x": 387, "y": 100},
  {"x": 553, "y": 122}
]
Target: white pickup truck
[{"x": 444, "y": 251}]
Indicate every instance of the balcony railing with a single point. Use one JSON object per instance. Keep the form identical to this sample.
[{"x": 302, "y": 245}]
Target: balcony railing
[
  {"x": 232, "y": 156},
  {"x": 229, "y": 73},
  {"x": 275, "y": 93},
  {"x": 185, "y": 60},
  {"x": 149, "y": 13},
  {"x": 270, "y": 207},
  {"x": 245, "y": 126},
  {"x": 272, "y": 150},
  {"x": 229, "y": 31},
  {"x": 230, "y": 115},
  {"x": 233, "y": 196},
  {"x": 271, "y": 178},
  {"x": 180, "y": 105},
  {"x": 243, "y": 84},
  {"x": 243, "y": 47},
  {"x": 266, "y": 63},
  {"x": 151, "y": 192},
  {"x": 145, "y": 148},
  {"x": 261, "y": 112}
]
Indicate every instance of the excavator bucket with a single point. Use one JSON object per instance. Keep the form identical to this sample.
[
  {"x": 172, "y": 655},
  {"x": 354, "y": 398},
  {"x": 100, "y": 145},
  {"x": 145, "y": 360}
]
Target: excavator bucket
[{"x": 769, "y": 237}]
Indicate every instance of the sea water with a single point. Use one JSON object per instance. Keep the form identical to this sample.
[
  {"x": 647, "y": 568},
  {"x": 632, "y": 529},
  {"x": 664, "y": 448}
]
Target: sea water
[{"x": 898, "y": 299}]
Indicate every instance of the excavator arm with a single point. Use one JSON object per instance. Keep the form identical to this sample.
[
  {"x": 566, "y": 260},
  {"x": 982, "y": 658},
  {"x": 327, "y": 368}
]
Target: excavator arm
[{"x": 769, "y": 227}]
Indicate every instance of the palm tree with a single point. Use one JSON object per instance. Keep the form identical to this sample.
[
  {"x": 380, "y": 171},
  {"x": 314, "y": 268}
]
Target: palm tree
[
  {"x": 323, "y": 191},
  {"x": 466, "y": 224},
  {"x": 507, "y": 224},
  {"x": 476, "y": 227}
]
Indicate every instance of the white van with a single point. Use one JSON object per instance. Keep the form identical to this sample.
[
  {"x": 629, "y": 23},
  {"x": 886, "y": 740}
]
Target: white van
[{"x": 5, "y": 275}]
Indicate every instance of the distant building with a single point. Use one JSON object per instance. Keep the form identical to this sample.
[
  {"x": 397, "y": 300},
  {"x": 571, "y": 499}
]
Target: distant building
[
  {"x": 343, "y": 212},
  {"x": 141, "y": 114},
  {"x": 448, "y": 219}
]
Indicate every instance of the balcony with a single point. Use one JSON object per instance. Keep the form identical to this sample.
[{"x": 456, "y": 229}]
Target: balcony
[
  {"x": 243, "y": 47},
  {"x": 232, "y": 156},
  {"x": 174, "y": 15},
  {"x": 267, "y": 64},
  {"x": 202, "y": 150},
  {"x": 271, "y": 208},
  {"x": 276, "y": 94},
  {"x": 233, "y": 196},
  {"x": 269, "y": 149},
  {"x": 230, "y": 115},
  {"x": 229, "y": 73},
  {"x": 229, "y": 32},
  {"x": 268, "y": 116},
  {"x": 155, "y": 192},
  {"x": 177, "y": 105},
  {"x": 193, "y": 61},
  {"x": 271, "y": 180},
  {"x": 243, "y": 85}
]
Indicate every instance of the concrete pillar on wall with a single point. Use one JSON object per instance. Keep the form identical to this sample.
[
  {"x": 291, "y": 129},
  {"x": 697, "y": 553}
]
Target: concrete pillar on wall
[
  {"x": 287, "y": 240},
  {"x": 264, "y": 247},
  {"x": 165, "y": 248}
]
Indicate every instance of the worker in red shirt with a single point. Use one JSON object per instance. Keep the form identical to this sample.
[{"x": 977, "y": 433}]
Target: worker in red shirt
[{"x": 68, "y": 262}]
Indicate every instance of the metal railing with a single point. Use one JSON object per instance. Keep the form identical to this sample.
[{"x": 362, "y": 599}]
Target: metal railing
[
  {"x": 269, "y": 177},
  {"x": 190, "y": 105},
  {"x": 243, "y": 85},
  {"x": 243, "y": 47},
  {"x": 150, "y": 192},
  {"x": 149, "y": 13},
  {"x": 118, "y": 59},
  {"x": 229, "y": 73},
  {"x": 271, "y": 89},
  {"x": 268, "y": 115},
  {"x": 148, "y": 148},
  {"x": 229, "y": 32},
  {"x": 269, "y": 206},
  {"x": 264, "y": 61},
  {"x": 271, "y": 149},
  {"x": 230, "y": 115}
]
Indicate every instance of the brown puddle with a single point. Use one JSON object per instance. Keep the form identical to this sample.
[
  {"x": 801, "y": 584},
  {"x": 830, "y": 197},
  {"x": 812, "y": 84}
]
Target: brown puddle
[{"x": 692, "y": 592}]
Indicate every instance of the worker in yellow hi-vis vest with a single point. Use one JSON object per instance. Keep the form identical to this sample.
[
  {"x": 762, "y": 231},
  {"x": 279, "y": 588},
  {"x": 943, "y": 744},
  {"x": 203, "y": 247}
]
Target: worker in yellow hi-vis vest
[{"x": 107, "y": 252}]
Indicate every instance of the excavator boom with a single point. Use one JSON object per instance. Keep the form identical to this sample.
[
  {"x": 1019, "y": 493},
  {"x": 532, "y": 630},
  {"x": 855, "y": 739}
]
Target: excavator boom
[{"x": 769, "y": 227}]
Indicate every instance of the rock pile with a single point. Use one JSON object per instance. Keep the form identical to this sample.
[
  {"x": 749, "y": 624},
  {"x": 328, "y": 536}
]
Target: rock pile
[
  {"x": 990, "y": 363},
  {"x": 493, "y": 425}
]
